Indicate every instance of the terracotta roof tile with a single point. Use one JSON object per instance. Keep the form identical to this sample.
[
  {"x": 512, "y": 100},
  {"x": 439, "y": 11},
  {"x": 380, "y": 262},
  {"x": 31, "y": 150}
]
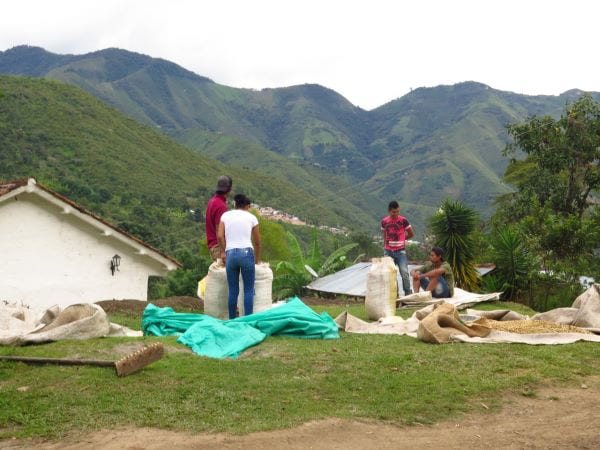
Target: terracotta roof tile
[{"x": 9, "y": 186}]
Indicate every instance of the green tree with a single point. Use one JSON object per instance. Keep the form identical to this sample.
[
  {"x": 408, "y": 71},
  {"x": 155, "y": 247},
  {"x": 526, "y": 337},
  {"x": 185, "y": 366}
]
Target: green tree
[
  {"x": 274, "y": 246},
  {"x": 452, "y": 227},
  {"x": 554, "y": 207},
  {"x": 183, "y": 281},
  {"x": 365, "y": 245},
  {"x": 562, "y": 155}
]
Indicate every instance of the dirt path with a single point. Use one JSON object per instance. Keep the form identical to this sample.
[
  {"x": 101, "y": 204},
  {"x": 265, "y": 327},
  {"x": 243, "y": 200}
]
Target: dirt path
[{"x": 554, "y": 418}]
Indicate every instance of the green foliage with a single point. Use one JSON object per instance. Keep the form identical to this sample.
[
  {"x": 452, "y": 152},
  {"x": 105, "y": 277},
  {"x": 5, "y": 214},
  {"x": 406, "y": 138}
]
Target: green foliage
[
  {"x": 452, "y": 226},
  {"x": 127, "y": 173},
  {"x": 273, "y": 240},
  {"x": 315, "y": 251},
  {"x": 564, "y": 154},
  {"x": 513, "y": 263},
  {"x": 338, "y": 260},
  {"x": 183, "y": 281},
  {"x": 491, "y": 283},
  {"x": 292, "y": 276},
  {"x": 419, "y": 149},
  {"x": 366, "y": 247},
  {"x": 482, "y": 245},
  {"x": 417, "y": 253},
  {"x": 553, "y": 207}
]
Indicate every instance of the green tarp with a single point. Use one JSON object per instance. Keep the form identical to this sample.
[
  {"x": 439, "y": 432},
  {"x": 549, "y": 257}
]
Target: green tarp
[{"x": 216, "y": 338}]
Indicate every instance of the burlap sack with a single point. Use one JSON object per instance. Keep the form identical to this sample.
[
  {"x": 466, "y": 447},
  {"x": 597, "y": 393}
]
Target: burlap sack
[
  {"x": 83, "y": 321},
  {"x": 497, "y": 314},
  {"x": 443, "y": 323},
  {"x": 585, "y": 311}
]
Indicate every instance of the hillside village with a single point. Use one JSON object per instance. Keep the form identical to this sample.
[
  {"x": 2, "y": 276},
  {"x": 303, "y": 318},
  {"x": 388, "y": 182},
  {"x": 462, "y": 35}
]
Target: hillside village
[{"x": 279, "y": 216}]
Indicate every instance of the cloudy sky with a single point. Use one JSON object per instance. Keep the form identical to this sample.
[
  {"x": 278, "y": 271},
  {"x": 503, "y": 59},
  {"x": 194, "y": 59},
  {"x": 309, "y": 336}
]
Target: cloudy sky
[{"x": 370, "y": 51}]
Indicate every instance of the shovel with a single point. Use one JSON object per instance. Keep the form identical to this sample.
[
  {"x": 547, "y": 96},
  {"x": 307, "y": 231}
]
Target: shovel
[{"x": 124, "y": 366}]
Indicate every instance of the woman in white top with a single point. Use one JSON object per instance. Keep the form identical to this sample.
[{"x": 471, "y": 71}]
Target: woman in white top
[{"x": 238, "y": 229}]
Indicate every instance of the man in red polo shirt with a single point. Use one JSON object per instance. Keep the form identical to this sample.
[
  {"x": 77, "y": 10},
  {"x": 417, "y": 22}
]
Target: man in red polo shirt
[
  {"x": 396, "y": 230},
  {"x": 215, "y": 208}
]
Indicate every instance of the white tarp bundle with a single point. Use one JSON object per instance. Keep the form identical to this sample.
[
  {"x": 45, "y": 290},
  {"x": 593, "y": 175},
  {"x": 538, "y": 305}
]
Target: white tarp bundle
[
  {"x": 20, "y": 325},
  {"x": 461, "y": 299},
  {"x": 444, "y": 325}
]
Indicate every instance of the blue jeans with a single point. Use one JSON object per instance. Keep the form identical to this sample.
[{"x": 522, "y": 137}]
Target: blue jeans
[
  {"x": 240, "y": 260},
  {"x": 440, "y": 291},
  {"x": 401, "y": 260}
]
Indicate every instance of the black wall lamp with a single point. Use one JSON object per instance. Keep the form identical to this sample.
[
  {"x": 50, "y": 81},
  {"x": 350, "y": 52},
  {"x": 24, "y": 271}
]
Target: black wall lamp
[{"x": 115, "y": 262}]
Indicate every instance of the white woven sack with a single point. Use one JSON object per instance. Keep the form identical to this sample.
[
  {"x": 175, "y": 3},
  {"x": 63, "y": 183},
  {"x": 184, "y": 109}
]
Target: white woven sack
[
  {"x": 382, "y": 288},
  {"x": 217, "y": 292},
  {"x": 263, "y": 289}
]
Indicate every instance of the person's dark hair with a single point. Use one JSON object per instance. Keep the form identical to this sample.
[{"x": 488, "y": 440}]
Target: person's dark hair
[
  {"x": 393, "y": 205},
  {"x": 438, "y": 251},
  {"x": 224, "y": 183},
  {"x": 241, "y": 201}
]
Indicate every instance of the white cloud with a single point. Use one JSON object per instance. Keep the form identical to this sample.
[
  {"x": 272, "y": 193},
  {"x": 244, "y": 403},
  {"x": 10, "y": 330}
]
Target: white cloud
[{"x": 369, "y": 51}]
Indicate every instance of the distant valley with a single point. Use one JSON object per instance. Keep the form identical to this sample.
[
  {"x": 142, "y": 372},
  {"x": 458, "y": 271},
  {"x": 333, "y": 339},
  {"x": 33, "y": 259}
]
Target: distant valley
[{"x": 430, "y": 144}]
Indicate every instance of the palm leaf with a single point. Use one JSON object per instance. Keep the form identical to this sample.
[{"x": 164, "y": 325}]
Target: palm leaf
[
  {"x": 296, "y": 252},
  {"x": 452, "y": 226},
  {"x": 333, "y": 260},
  {"x": 314, "y": 261},
  {"x": 513, "y": 264}
]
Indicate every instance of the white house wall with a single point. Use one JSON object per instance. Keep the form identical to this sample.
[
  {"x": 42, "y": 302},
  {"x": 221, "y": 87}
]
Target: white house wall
[{"x": 53, "y": 258}]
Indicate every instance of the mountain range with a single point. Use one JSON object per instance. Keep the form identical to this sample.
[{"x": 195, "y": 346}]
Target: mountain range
[
  {"x": 135, "y": 177},
  {"x": 430, "y": 144}
]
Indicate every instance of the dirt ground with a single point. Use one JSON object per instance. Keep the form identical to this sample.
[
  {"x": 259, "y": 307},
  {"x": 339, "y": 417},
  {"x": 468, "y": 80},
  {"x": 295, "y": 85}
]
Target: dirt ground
[
  {"x": 554, "y": 418},
  {"x": 138, "y": 306},
  {"x": 197, "y": 305},
  {"x": 333, "y": 300}
]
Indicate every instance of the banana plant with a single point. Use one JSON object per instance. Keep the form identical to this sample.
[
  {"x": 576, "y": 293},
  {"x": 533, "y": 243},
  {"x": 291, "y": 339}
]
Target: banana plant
[{"x": 292, "y": 276}]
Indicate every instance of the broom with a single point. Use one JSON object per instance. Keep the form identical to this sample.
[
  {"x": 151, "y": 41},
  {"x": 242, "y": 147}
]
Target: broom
[{"x": 124, "y": 366}]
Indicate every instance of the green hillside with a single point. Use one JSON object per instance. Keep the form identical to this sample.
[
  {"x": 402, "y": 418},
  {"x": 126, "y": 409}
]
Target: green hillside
[
  {"x": 302, "y": 122},
  {"x": 430, "y": 144},
  {"x": 314, "y": 179},
  {"x": 447, "y": 142},
  {"x": 139, "y": 179}
]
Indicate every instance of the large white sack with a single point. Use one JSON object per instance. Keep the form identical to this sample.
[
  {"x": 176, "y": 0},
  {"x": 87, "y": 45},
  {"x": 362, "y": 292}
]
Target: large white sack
[
  {"x": 585, "y": 311},
  {"x": 382, "y": 288},
  {"x": 217, "y": 292},
  {"x": 216, "y": 296},
  {"x": 263, "y": 289}
]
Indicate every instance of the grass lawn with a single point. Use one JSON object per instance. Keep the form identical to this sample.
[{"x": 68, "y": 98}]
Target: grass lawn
[{"x": 280, "y": 383}]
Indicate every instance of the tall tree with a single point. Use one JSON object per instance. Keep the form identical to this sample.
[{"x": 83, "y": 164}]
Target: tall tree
[
  {"x": 562, "y": 157},
  {"x": 554, "y": 206}
]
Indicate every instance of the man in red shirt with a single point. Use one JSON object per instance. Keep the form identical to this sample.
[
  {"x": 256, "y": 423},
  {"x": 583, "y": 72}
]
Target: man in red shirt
[
  {"x": 215, "y": 208},
  {"x": 396, "y": 230}
]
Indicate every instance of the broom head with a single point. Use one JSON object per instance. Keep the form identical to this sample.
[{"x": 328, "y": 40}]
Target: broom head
[{"x": 140, "y": 359}]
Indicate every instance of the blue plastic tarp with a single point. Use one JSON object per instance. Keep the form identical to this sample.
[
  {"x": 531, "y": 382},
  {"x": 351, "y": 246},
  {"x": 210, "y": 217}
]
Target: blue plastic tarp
[{"x": 216, "y": 338}]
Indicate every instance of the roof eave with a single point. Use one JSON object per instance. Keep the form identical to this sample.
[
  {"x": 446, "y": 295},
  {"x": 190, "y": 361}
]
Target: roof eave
[{"x": 69, "y": 207}]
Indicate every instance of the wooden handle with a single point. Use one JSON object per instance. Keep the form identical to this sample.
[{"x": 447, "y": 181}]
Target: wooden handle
[{"x": 61, "y": 361}]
